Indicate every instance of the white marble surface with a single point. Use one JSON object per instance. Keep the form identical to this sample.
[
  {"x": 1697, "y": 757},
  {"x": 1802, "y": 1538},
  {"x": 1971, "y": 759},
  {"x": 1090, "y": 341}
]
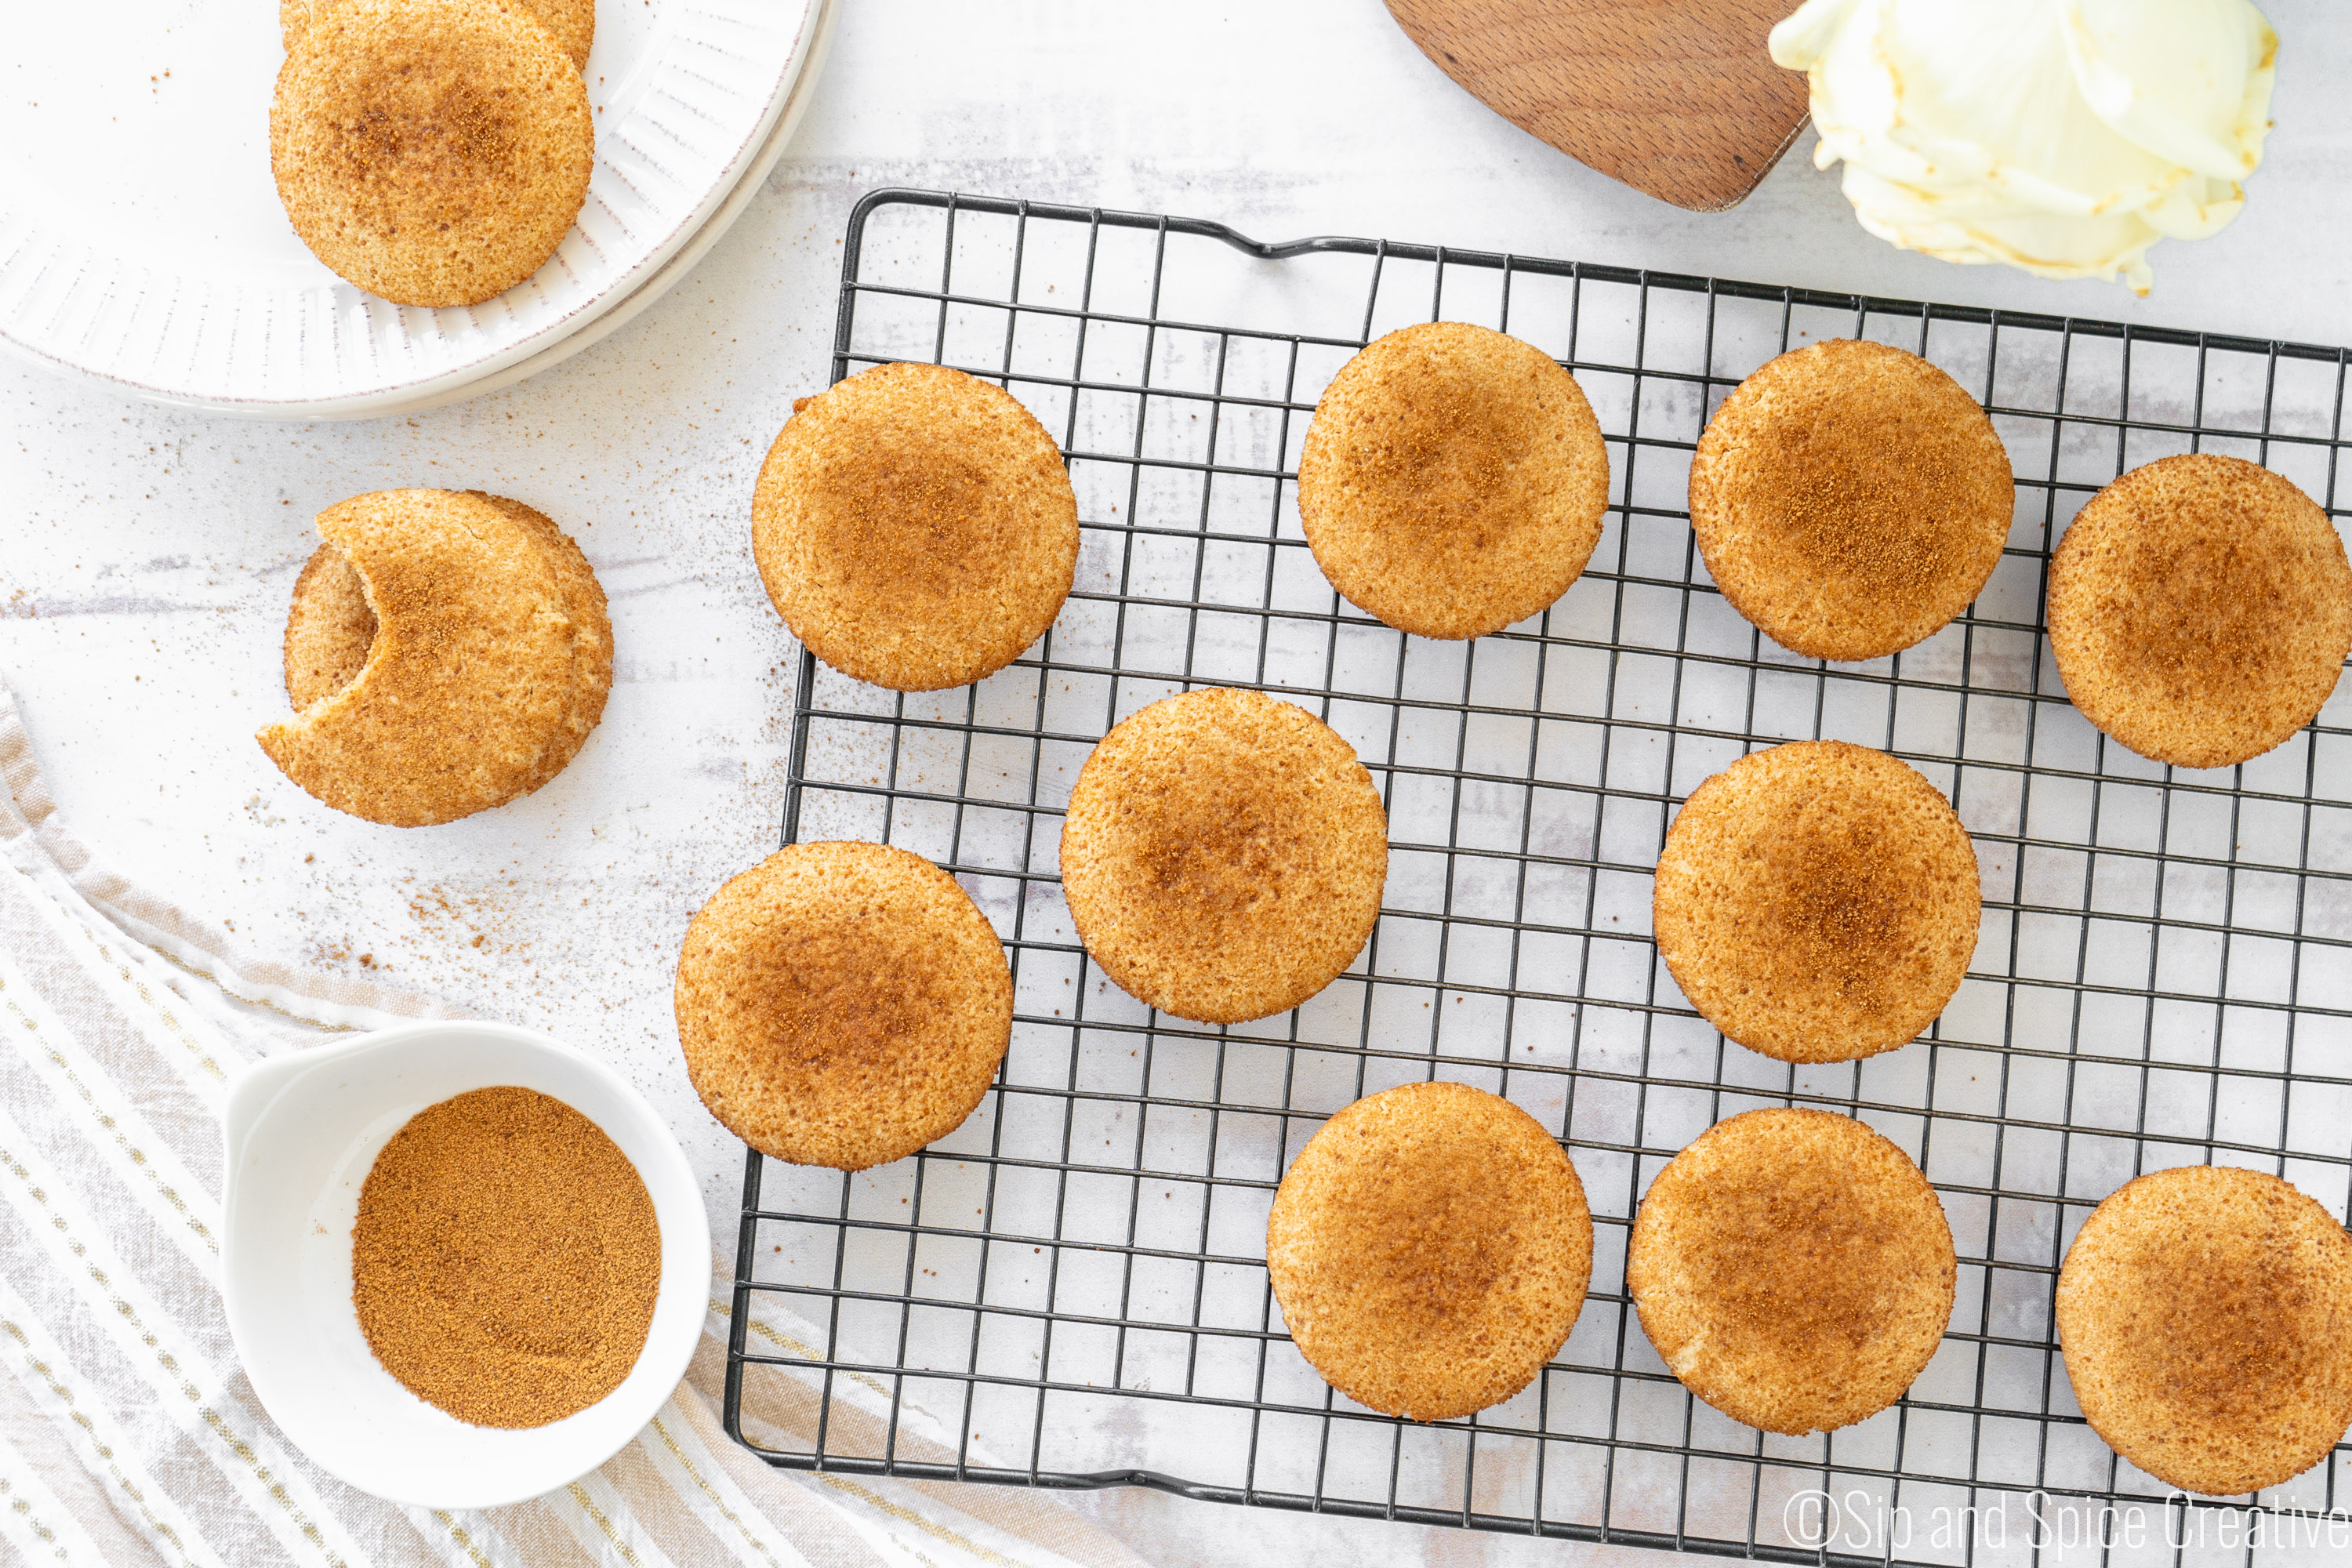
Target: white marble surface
[{"x": 145, "y": 556}]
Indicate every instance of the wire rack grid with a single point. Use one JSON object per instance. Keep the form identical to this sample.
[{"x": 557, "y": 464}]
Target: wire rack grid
[{"x": 1070, "y": 1291}]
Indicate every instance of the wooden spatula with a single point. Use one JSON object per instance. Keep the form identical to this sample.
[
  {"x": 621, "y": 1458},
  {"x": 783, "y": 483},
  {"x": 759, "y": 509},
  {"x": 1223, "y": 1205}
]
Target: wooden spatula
[{"x": 1677, "y": 97}]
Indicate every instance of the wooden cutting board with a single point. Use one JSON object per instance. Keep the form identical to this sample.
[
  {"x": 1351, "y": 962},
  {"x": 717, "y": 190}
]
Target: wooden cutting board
[{"x": 1677, "y": 97}]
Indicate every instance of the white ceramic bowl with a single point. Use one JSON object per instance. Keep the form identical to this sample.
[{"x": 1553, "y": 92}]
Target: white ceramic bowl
[{"x": 303, "y": 1132}]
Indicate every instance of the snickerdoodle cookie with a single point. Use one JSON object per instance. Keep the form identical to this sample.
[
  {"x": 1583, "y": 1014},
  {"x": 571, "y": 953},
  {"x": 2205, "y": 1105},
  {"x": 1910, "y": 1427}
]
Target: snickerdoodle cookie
[
  {"x": 1430, "y": 1248},
  {"x": 573, "y": 22},
  {"x": 841, "y": 1004},
  {"x": 431, "y": 152},
  {"x": 2201, "y": 608},
  {"x": 1817, "y": 901},
  {"x": 1454, "y": 480},
  {"x": 1223, "y": 855},
  {"x": 915, "y": 527},
  {"x": 1793, "y": 1269},
  {"x": 1850, "y": 499},
  {"x": 445, "y": 652},
  {"x": 2206, "y": 1317}
]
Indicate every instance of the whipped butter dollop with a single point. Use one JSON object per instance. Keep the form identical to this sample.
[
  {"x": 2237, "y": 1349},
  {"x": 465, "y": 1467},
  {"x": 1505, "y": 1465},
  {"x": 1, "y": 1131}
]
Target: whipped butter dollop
[{"x": 2064, "y": 136}]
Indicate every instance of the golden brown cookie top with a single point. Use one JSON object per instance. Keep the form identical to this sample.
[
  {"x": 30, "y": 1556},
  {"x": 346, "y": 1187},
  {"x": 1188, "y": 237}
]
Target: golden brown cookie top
[
  {"x": 330, "y": 630},
  {"x": 1818, "y": 901},
  {"x": 1850, "y": 499},
  {"x": 591, "y": 631},
  {"x": 2206, "y": 1317},
  {"x": 1453, "y": 480},
  {"x": 471, "y": 679},
  {"x": 572, "y": 22},
  {"x": 1430, "y": 1248},
  {"x": 431, "y": 152},
  {"x": 1793, "y": 1269},
  {"x": 915, "y": 527},
  {"x": 2201, "y": 608},
  {"x": 841, "y": 1004},
  {"x": 1223, "y": 855}
]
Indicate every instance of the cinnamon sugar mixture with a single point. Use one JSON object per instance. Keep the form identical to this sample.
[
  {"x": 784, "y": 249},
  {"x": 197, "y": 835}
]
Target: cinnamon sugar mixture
[{"x": 506, "y": 1259}]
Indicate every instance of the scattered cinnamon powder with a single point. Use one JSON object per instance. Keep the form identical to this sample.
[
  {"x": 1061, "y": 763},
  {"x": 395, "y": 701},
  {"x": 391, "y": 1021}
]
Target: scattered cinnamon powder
[{"x": 506, "y": 1259}]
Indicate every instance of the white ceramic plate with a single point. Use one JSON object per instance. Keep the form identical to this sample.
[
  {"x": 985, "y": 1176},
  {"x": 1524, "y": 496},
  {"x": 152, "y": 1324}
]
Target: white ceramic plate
[
  {"x": 142, "y": 241},
  {"x": 303, "y": 1131}
]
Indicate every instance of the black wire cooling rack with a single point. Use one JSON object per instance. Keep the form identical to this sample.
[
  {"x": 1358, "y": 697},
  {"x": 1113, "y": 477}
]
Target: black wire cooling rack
[{"x": 1070, "y": 1291}]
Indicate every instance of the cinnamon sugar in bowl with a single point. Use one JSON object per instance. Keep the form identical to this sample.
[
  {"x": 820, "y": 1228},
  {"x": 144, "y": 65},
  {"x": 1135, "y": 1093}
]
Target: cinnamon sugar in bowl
[{"x": 492, "y": 1392}]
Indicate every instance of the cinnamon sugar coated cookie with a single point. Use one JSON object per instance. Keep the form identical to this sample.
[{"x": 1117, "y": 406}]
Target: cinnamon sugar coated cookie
[
  {"x": 1430, "y": 1248},
  {"x": 843, "y": 1005},
  {"x": 1817, "y": 901},
  {"x": 1793, "y": 1269},
  {"x": 2201, "y": 608},
  {"x": 446, "y": 651},
  {"x": 1454, "y": 480},
  {"x": 915, "y": 527},
  {"x": 431, "y": 152},
  {"x": 1850, "y": 499},
  {"x": 1224, "y": 856},
  {"x": 331, "y": 629},
  {"x": 572, "y": 22},
  {"x": 2206, "y": 1318}
]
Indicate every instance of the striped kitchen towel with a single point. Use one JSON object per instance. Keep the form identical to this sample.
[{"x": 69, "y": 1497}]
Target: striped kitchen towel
[{"x": 129, "y": 1434}]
